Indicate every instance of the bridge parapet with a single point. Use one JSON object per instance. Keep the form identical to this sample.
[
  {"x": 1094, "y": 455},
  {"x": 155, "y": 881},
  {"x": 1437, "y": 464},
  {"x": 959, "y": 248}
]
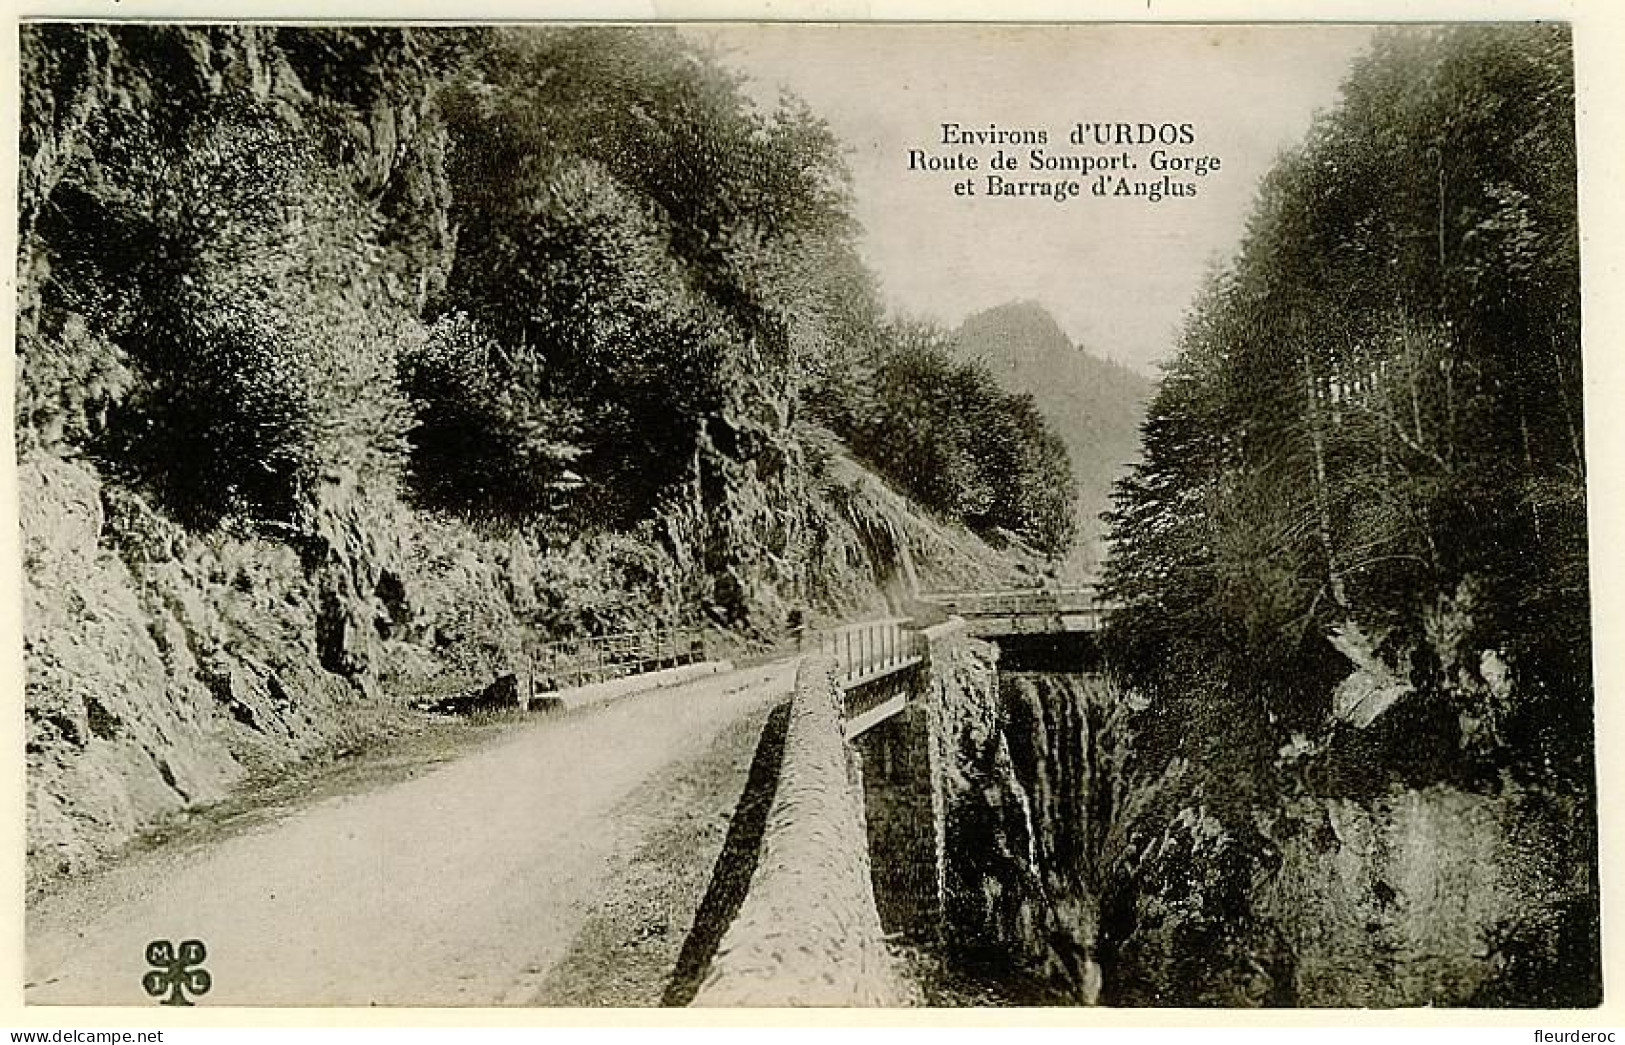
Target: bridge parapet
[
  {"x": 854, "y": 848},
  {"x": 808, "y": 931},
  {"x": 589, "y": 659},
  {"x": 1027, "y": 611},
  {"x": 1016, "y": 600}
]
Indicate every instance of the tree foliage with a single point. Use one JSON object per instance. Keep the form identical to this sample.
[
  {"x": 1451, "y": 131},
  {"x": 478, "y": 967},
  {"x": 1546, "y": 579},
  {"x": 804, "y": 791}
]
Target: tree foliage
[
  {"x": 955, "y": 442},
  {"x": 1352, "y": 561},
  {"x": 1371, "y": 437},
  {"x": 528, "y": 273}
]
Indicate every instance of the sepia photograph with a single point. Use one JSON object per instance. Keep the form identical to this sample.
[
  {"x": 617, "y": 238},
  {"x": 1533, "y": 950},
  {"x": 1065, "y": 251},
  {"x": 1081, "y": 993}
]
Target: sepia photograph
[{"x": 804, "y": 515}]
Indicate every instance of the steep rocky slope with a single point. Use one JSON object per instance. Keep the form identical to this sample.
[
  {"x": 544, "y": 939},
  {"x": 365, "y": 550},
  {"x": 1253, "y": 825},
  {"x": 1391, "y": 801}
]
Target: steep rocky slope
[
  {"x": 164, "y": 667},
  {"x": 1074, "y": 877},
  {"x": 306, "y": 345}
]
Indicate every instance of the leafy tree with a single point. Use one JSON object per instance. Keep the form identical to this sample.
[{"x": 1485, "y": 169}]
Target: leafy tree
[
  {"x": 945, "y": 432},
  {"x": 1371, "y": 405},
  {"x": 484, "y": 444},
  {"x": 227, "y": 257},
  {"x": 630, "y": 224}
]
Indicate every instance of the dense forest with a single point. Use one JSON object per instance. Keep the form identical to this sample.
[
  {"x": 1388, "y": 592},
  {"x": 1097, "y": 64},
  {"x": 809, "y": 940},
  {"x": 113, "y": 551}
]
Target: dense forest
[
  {"x": 1353, "y": 559},
  {"x": 526, "y": 272},
  {"x": 356, "y": 362}
]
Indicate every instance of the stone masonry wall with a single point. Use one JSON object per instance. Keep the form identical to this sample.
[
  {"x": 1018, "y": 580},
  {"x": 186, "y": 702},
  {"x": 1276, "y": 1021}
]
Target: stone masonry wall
[{"x": 808, "y": 933}]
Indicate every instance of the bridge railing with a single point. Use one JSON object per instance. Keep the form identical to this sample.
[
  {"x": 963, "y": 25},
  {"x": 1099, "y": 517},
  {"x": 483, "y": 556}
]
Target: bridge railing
[
  {"x": 598, "y": 658},
  {"x": 1022, "y": 601},
  {"x": 870, "y": 648}
]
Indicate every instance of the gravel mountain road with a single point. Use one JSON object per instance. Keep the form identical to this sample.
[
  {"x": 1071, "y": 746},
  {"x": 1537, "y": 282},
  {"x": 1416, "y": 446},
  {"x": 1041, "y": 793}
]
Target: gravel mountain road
[{"x": 562, "y": 864}]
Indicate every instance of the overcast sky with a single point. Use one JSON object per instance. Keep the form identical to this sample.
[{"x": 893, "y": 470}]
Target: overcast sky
[{"x": 1118, "y": 274}]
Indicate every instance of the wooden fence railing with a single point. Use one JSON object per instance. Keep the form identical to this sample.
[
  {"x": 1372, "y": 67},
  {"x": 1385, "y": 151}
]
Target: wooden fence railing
[
  {"x": 597, "y": 658},
  {"x": 860, "y": 650}
]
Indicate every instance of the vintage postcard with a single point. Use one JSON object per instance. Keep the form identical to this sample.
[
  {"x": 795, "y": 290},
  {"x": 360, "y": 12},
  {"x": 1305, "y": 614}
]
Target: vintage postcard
[{"x": 744, "y": 514}]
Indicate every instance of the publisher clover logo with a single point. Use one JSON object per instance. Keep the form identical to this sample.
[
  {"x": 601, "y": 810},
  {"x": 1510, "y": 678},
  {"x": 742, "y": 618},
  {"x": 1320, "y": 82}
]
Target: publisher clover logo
[{"x": 177, "y": 973}]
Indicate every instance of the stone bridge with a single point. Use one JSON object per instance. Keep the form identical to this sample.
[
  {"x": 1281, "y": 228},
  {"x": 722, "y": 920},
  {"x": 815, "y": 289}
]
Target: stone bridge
[
  {"x": 1027, "y": 611},
  {"x": 1036, "y": 629}
]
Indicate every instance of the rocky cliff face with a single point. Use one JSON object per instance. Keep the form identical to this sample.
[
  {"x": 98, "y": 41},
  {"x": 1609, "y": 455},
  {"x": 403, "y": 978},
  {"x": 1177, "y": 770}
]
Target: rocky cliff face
[
  {"x": 163, "y": 668},
  {"x": 1069, "y": 880},
  {"x": 1018, "y": 906},
  {"x": 166, "y": 666},
  {"x": 1429, "y": 896}
]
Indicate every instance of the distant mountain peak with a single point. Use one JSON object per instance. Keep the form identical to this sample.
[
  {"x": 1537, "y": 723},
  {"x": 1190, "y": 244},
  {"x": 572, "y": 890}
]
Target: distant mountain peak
[
  {"x": 1023, "y": 335},
  {"x": 1094, "y": 405},
  {"x": 1026, "y": 320}
]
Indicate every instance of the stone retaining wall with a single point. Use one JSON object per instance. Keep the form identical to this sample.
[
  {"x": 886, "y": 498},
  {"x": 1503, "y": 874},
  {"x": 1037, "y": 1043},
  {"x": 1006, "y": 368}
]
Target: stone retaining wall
[
  {"x": 808, "y": 933},
  {"x": 903, "y": 785}
]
